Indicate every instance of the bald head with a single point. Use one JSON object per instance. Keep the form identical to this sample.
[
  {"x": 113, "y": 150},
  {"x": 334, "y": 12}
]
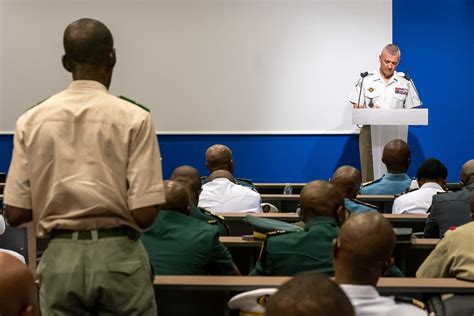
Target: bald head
[
  {"x": 320, "y": 198},
  {"x": 17, "y": 288},
  {"x": 177, "y": 198},
  {"x": 307, "y": 294},
  {"x": 219, "y": 157},
  {"x": 348, "y": 180},
  {"x": 364, "y": 249},
  {"x": 467, "y": 172},
  {"x": 396, "y": 156},
  {"x": 89, "y": 51},
  {"x": 221, "y": 174},
  {"x": 189, "y": 177},
  {"x": 88, "y": 41}
]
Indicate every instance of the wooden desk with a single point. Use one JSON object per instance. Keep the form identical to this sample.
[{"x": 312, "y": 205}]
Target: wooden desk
[
  {"x": 408, "y": 255},
  {"x": 208, "y": 295},
  {"x": 247, "y": 283},
  {"x": 277, "y": 188},
  {"x": 239, "y": 227},
  {"x": 290, "y": 201}
]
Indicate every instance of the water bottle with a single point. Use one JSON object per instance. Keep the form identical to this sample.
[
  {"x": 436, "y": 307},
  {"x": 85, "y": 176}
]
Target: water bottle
[{"x": 287, "y": 190}]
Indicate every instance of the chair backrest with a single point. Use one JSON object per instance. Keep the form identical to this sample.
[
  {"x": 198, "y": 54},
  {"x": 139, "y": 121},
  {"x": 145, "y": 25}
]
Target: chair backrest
[
  {"x": 452, "y": 305},
  {"x": 15, "y": 239}
]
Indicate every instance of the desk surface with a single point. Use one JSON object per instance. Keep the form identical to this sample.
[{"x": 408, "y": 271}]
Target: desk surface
[
  {"x": 273, "y": 185},
  {"x": 237, "y": 241},
  {"x": 245, "y": 283},
  {"x": 283, "y": 216},
  {"x": 294, "y": 197}
]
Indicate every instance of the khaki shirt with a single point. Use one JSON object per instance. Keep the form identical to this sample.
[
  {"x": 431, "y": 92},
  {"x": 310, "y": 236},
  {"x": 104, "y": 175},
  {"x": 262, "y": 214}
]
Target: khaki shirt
[
  {"x": 453, "y": 255},
  {"x": 83, "y": 159},
  {"x": 397, "y": 93}
]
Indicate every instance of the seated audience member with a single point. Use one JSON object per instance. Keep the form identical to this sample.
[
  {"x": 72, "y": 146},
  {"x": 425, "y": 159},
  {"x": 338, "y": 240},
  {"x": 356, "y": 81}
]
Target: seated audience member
[
  {"x": 288, "y": 253},
  {"x": 219, "y": 157},
  {"x": 454, "y": 254},
  {"x": 308, "y": 294},
  {"x": 179, "y": 244},
  {"x": 451, "y": 209},
  {"x": 10, "y": 252},
  {"x": 17, "y": 288},
  {"x": 222, "y": 194},
  {"x": 2, "y": 224},
  {"x": 189, "y": 176},
  {"x": 431, "y": 177},
  {"x": 348, "y": 180},
  {"x": 363, "y": 253},
  {"x": 396, "y": 156}
]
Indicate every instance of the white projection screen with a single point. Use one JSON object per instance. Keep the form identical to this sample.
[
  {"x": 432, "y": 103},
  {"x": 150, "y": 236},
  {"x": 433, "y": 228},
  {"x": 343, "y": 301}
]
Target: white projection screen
[{"x": 206, "y": 67}]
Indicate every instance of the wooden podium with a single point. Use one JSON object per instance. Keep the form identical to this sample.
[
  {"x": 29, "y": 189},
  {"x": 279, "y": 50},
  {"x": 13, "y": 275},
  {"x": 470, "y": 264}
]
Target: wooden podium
[{"x": 386, "y": 125}]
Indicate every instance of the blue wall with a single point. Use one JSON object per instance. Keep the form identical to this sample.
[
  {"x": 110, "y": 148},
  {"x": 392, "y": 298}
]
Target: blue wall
[{"x": 437, "y": 42}]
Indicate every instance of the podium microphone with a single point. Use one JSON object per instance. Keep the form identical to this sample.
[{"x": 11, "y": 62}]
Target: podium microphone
[{"x": 362, "y": 76}]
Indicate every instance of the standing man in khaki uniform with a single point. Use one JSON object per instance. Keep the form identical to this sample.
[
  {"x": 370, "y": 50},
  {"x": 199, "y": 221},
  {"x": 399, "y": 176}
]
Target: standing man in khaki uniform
[
  {"x": 86, "y": 169},
  {"x": 381, "y": 89}
]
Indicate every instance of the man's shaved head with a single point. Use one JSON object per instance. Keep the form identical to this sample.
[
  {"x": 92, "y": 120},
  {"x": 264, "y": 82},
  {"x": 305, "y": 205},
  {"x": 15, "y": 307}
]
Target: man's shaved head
[
  {"x": 219, "y": 157},
  {"x": 348, "y": 180},
  {"x": 88, "y": 41},
  {"x": 17, "y": 288},
  {"x": 89, "y": 51},
  {"x": 188, "y": 176},
  {"x": 307, "y": 294},
  {"x": 467, "y": 172},
  {"x": 396, "y": 156},
  {"x": 221, "y": 174},
  {"x": 177, "y": 198},
  {"x": 364, "y": 248},
  {"x": 320, "y": 198}
]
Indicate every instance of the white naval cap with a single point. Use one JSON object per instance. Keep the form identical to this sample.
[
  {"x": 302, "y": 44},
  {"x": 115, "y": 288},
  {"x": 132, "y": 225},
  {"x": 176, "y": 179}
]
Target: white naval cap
[
  {"x": 14, "y": 254},
  {"x": 251, "y": 302}
]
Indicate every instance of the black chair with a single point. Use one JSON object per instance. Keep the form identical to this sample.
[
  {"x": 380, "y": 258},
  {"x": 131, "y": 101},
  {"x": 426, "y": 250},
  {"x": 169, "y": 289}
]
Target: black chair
[{"x": 452, "y": 305}]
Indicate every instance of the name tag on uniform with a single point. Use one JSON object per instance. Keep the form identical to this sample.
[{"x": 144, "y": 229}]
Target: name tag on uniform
[{"x": 401, "y": 91}]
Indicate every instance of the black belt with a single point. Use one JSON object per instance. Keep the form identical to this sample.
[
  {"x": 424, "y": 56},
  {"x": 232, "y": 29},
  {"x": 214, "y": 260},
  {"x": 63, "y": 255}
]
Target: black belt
[{"x": 101, "y": 233}]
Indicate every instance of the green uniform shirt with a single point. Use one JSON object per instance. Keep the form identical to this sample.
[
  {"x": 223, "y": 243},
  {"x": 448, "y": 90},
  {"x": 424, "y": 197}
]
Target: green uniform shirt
[
  {"x": 291, "y": 253},
  {"x": 178, "y": 244},
  {"x": 207, "y": 216}
]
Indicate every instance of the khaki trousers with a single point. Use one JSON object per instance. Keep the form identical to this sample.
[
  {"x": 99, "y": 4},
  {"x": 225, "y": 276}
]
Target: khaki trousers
[
  {"x": 107, "y": 276},
  {"x": 365, "y": 149}
]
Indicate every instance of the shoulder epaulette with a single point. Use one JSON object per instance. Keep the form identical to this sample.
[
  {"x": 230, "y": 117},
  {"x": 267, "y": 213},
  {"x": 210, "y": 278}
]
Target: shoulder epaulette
[
  {"x": 409, "y": 300},
  {"x": 37, "y": 104},
  {"x": 365, "y": 204},
  {"x": 211, "y": 213},
  {"x": 218, "y": 219},
  {"x": 277, "y": 232},
  {"x": 406, "y": 191},
  {"x": 245, "y": 180},
  {"x": 371, "y": 182},
  {"x": 134, "y": 103}
]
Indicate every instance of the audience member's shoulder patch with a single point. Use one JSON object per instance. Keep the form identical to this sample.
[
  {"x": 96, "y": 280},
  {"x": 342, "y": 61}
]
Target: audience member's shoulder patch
[
  {"x": 37, "y": 104},
  {"x": 370, "y": 183},
  {"x": 134, "y": 103},
  {"x": 364, "y": 204}
]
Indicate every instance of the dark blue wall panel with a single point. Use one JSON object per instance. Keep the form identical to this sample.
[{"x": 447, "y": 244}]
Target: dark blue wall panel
[{"x": 437, "y": 42}]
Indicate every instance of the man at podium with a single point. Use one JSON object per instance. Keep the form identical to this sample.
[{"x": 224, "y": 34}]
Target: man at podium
[{"x": 381, "y": 89}]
